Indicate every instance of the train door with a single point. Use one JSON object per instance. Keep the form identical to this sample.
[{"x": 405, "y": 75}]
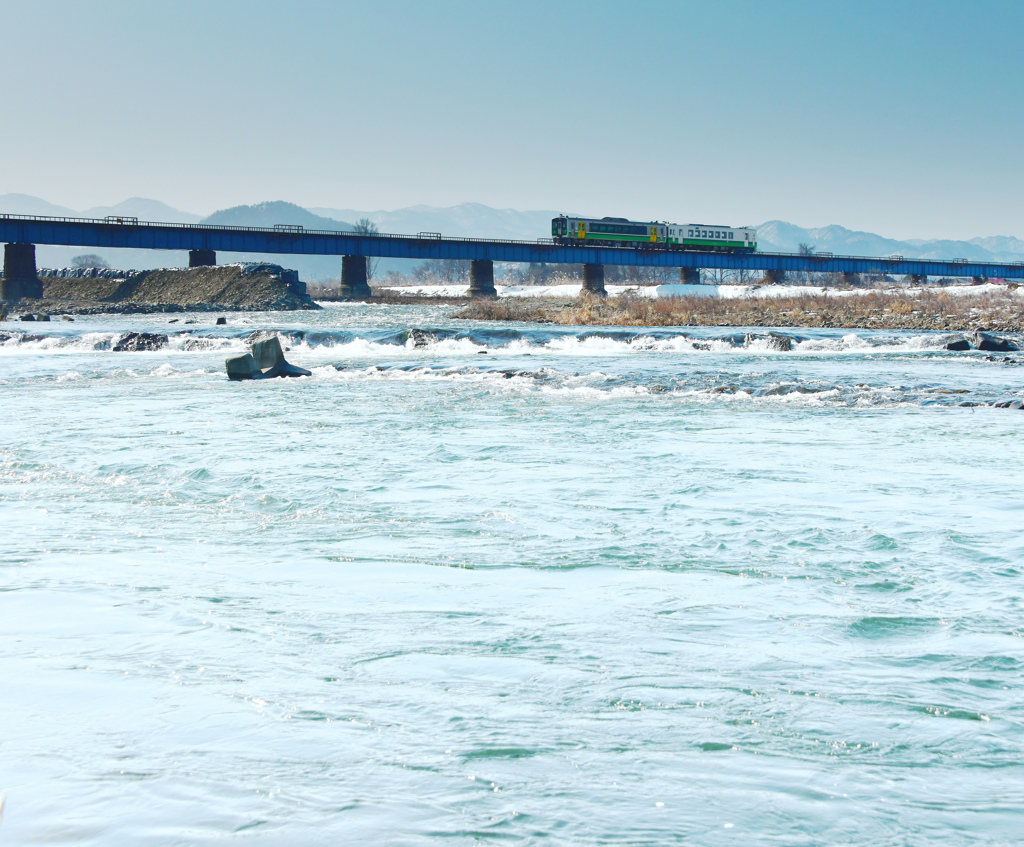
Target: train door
[{"x": 582, "y": 230}]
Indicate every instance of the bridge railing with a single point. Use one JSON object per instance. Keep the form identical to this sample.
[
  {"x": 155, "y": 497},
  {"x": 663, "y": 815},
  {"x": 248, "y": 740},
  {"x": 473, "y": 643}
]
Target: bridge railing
[{"x": 277, "y": 229}]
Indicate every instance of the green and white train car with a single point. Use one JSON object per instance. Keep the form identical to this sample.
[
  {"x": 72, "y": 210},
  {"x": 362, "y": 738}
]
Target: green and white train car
[{"x": 621, "y": 232}]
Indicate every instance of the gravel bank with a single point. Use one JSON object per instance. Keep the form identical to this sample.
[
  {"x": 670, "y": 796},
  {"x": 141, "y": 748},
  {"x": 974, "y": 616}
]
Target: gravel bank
[{"x": 221, "y": 288}]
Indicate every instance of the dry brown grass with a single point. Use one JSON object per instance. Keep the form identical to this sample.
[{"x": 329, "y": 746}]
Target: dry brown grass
[{"x": 936, "y": 310}]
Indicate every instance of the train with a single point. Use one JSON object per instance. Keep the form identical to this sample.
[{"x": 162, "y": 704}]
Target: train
[{"x": 622, "y": 232}]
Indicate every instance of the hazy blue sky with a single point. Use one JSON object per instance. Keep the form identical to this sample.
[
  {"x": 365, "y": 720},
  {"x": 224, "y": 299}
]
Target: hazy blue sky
[{"x": 903, "y": 118}]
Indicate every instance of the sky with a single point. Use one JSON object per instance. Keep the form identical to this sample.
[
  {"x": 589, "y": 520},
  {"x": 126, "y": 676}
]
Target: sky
[{"x": 899, "y": 117}]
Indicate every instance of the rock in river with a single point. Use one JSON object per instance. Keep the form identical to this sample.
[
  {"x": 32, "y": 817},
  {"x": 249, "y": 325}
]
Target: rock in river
[
  {"x": 991, "y": 343},
  {"x": 954, "y": 342},
  {"x": 773, "y": 340},
  {"x": 132, "y": 341}
]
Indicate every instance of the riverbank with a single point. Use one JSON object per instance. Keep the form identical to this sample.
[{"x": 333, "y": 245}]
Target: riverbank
[
  {"x": 224, "y": 288},
  {"x": 999, "y": 309}
]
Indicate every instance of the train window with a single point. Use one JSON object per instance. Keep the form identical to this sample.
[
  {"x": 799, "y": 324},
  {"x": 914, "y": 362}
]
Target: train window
[{"x": 689, "y": 232}]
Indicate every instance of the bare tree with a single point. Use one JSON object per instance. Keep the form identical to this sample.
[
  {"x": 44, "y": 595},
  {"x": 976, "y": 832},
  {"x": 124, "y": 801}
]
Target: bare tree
[
  {"x": 442, "y": 270},
  {"x": 641, "y": 275},
  {"x": 364, "y": 226},
  {"x": 805, "y": 250},
  {"x": 89, "y": 260}
]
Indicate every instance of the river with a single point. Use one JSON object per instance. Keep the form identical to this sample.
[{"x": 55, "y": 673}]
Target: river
[{"x": 516, "y": 584}]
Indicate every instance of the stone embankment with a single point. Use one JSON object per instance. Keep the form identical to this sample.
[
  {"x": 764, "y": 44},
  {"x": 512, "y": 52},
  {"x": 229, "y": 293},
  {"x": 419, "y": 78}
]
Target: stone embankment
[
  {"x": 251, "y": 287},
  {"x": 923, "y": 310}
]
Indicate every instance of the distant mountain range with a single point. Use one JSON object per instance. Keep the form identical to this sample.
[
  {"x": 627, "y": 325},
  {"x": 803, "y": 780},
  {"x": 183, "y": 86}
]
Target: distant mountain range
[
  {"x": 139, "y": 207},
  {"x": 465, "y": 220},
  {"x": 786, "y": 238}
]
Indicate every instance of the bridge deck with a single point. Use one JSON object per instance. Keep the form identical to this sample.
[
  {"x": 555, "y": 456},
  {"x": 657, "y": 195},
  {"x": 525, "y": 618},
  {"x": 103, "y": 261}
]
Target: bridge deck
[{"x": 129, "y": 233}]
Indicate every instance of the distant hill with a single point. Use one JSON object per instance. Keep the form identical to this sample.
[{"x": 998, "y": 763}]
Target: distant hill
[
  {"x": 274, "y": 212},
  {"x": 139, "y": 207},
  {"x": 26, "y": 204},
  {"x": 144, "y": 210}
]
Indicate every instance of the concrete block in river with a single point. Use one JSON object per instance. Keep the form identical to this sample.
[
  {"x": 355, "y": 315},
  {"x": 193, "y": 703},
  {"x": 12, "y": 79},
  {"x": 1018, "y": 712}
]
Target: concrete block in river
[
  {"x": 243, "y": 367},
  {"x": 268, "y": 352},
  {"x": 264, "y": 362},
  {"x": 284, "y": 368}
]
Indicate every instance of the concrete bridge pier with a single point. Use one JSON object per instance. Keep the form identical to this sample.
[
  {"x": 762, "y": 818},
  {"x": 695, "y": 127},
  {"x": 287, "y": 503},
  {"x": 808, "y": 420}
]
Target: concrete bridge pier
[
  {"x": 20, "y": 282},
  {"x": 354, "y": 285},
  {"x": 481, "y": 279},
  {"x": 593, "y": 279},
  {"x": 689, "y": 276},
  {"x": 201, "y": 258}
]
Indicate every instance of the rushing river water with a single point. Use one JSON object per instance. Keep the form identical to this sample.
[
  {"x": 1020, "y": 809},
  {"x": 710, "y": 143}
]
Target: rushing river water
[{"x": 593, "y": 587}]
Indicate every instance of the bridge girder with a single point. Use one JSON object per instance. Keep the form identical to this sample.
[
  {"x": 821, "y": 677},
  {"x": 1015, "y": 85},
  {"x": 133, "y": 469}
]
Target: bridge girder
[{"x": 160, "y": 236}]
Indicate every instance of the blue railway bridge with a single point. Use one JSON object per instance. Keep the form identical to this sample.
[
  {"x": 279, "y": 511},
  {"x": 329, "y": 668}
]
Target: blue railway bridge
[{"x": 21, "y": 233}]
